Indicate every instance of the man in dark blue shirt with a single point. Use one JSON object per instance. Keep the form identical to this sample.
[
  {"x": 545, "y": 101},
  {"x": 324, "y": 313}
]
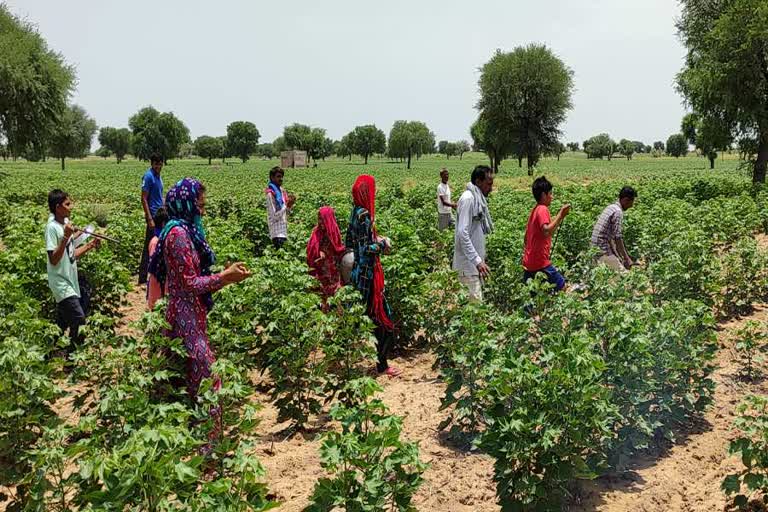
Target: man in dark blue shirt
[{"x": 151, "y": 199}]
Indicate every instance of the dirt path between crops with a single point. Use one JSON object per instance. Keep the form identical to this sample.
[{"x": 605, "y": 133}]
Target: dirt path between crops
[
  {"x": 685, "y": 477},
  {"x": 457, "y": 480}
]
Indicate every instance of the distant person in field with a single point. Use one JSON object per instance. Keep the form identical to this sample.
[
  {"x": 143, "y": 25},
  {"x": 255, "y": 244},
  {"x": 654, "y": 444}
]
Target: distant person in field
[
  {"x": 444, "y": 205},
  {"x": 182, "y": 263},
  {"x": 538, "y": 235},
  {"x": 151, "y": 200},
  {"x": 154, "y": 292},
  {"x": 367, "y": 273},
  {"x": 607, "y": 237},
  {"x": 62, "y": 264},
  {"x": 473, "y": 224},
  {"x": 324, "y": 252},
  {"x": 278, "y": 205}
]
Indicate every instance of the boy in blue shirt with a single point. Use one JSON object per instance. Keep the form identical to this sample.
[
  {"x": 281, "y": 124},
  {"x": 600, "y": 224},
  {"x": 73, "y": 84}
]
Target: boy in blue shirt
[{"x": 151, "y": 200}]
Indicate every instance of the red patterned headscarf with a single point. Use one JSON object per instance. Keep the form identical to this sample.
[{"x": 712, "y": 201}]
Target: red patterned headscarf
[
  {"x": 364, "y": 196},
  {"x": 325, "y": 238}
]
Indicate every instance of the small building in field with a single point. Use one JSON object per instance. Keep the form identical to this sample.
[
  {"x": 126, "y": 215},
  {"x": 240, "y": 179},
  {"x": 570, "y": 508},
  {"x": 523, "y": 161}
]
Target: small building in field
[{"x": 293, "y": 158}]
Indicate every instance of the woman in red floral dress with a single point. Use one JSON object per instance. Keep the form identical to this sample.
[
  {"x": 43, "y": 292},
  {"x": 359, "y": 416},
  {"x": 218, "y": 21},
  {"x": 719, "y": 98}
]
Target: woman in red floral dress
[{"x": 183, "y": 261}]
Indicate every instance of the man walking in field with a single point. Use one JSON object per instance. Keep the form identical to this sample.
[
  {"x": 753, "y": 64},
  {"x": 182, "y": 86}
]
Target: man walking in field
[
  {"x": 444, "y": 204},
  {"x": 278, "y": 205},
  {"x": 607, "y": 237},
  {"x": 151, "y": 200},
  {"x": 473, "y": 224}
]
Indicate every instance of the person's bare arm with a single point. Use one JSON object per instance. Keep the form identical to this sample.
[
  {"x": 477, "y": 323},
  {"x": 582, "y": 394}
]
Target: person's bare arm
[
  {"x": 552, "y": 226},
  {"x": 621, "y": 250},
  {"x": 93, "y": 244},
  {"x": 145, "y": 205},
  {"x": 55, "y": 256}
]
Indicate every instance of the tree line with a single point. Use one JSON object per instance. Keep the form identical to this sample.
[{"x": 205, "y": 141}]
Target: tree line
[{"x": 525, "y": 96}]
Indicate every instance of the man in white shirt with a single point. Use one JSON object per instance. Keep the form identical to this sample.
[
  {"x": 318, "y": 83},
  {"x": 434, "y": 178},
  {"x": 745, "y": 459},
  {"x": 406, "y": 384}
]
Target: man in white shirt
[
  {"x": 444, "y": 204},
  {"x": 278, "y": 205},
  {"x": 473, "y": 224}
]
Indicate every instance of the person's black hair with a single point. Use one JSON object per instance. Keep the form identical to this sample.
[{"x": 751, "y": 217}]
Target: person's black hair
[
  {"x": 541, "y": 186},
  {"x": 479, "y": 173},
  {"x": 160, "y": 218},
  {"x": 276, "y": 169},
  {"x": 627, "y": 192},
  {"x": 155, "y": 158},
  {"x": 55, "y": 198}
]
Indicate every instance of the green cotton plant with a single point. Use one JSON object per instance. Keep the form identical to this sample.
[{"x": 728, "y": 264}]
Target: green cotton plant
[
  {"x": 297, "y": 368},
  {"x": 658, "y": 358},
  {"x": 49, "y": 478},
  {"x": 549, "y": 421},
  {"x": 372, "y": 468},
  {"x": 750, "y": 343},
  {"x": 139, "y": 442},
  {"x": 470, "y": 356},
  {"x": 27, "y": 382},
  {"x": 349, "y": 347},
  {"x": 743, "y": 277},
  {"x": 751, "y": 445},
  {"x": 405, "y": 272}
]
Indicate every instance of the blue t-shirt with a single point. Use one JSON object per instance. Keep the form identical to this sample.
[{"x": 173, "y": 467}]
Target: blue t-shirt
[{"x": 152, "y": 184}]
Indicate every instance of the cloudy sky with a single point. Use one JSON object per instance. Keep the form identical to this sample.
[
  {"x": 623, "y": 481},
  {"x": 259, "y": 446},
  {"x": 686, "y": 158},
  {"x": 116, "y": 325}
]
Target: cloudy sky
[{"x": 340, "y": 63}]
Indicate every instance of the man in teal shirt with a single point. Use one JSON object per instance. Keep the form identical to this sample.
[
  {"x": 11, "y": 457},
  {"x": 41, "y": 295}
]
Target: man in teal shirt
[{"x": 62, "y": 263}]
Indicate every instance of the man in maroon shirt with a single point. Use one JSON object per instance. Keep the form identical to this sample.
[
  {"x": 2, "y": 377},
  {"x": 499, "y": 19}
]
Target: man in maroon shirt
[{"x": 538, "y": 235}]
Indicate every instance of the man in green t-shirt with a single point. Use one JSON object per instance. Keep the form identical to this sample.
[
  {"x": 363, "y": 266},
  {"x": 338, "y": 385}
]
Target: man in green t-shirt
[{"x": 62, "y": 263}]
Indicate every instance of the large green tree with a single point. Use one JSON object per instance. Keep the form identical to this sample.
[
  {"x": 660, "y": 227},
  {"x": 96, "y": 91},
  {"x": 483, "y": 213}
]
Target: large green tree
[
  {"x": 35, "y": 84},
  {"x": 600, "y": 146},
  {"x": 72, "y": 135},
  {"x": 462, "y": 147},
  {"x": 208, "y": 147},
  {"x": 279, "y": 145},
  {"x": 318, "y": 145},
  {"x": 491, "y": 143},
  {"x": 627, "y": 148},
  {"x": 367, "y": 140},
  {"x": 725, "y": 76},
  {"x": 265, "y": 150},
  {"x": 410, "y": 138},
  {"x": 242, "y": 137},
  {"x": 343, "y": 148},
  {"x": 116, "y": 140},
  {"x": 524, "y": 97},
  {"x": 709, "y": 135},
  {"x": 226, "y": 151},
  {"x": 157, "y": 132},
  {"x": 305, "y": 138},
  {"x": 677, "y": 145}
]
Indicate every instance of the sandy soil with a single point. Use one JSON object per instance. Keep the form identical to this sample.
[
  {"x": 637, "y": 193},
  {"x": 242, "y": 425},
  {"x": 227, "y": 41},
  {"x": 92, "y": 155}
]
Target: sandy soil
[
  {"x": 134, "y": 306},
  {"x": 762, "y": 241},
  {"x": 457, "y": 480}
]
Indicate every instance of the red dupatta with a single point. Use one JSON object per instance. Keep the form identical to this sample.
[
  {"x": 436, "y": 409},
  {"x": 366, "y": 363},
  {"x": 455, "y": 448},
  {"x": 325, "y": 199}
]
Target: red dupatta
[{"x": 325, "y": 238}]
